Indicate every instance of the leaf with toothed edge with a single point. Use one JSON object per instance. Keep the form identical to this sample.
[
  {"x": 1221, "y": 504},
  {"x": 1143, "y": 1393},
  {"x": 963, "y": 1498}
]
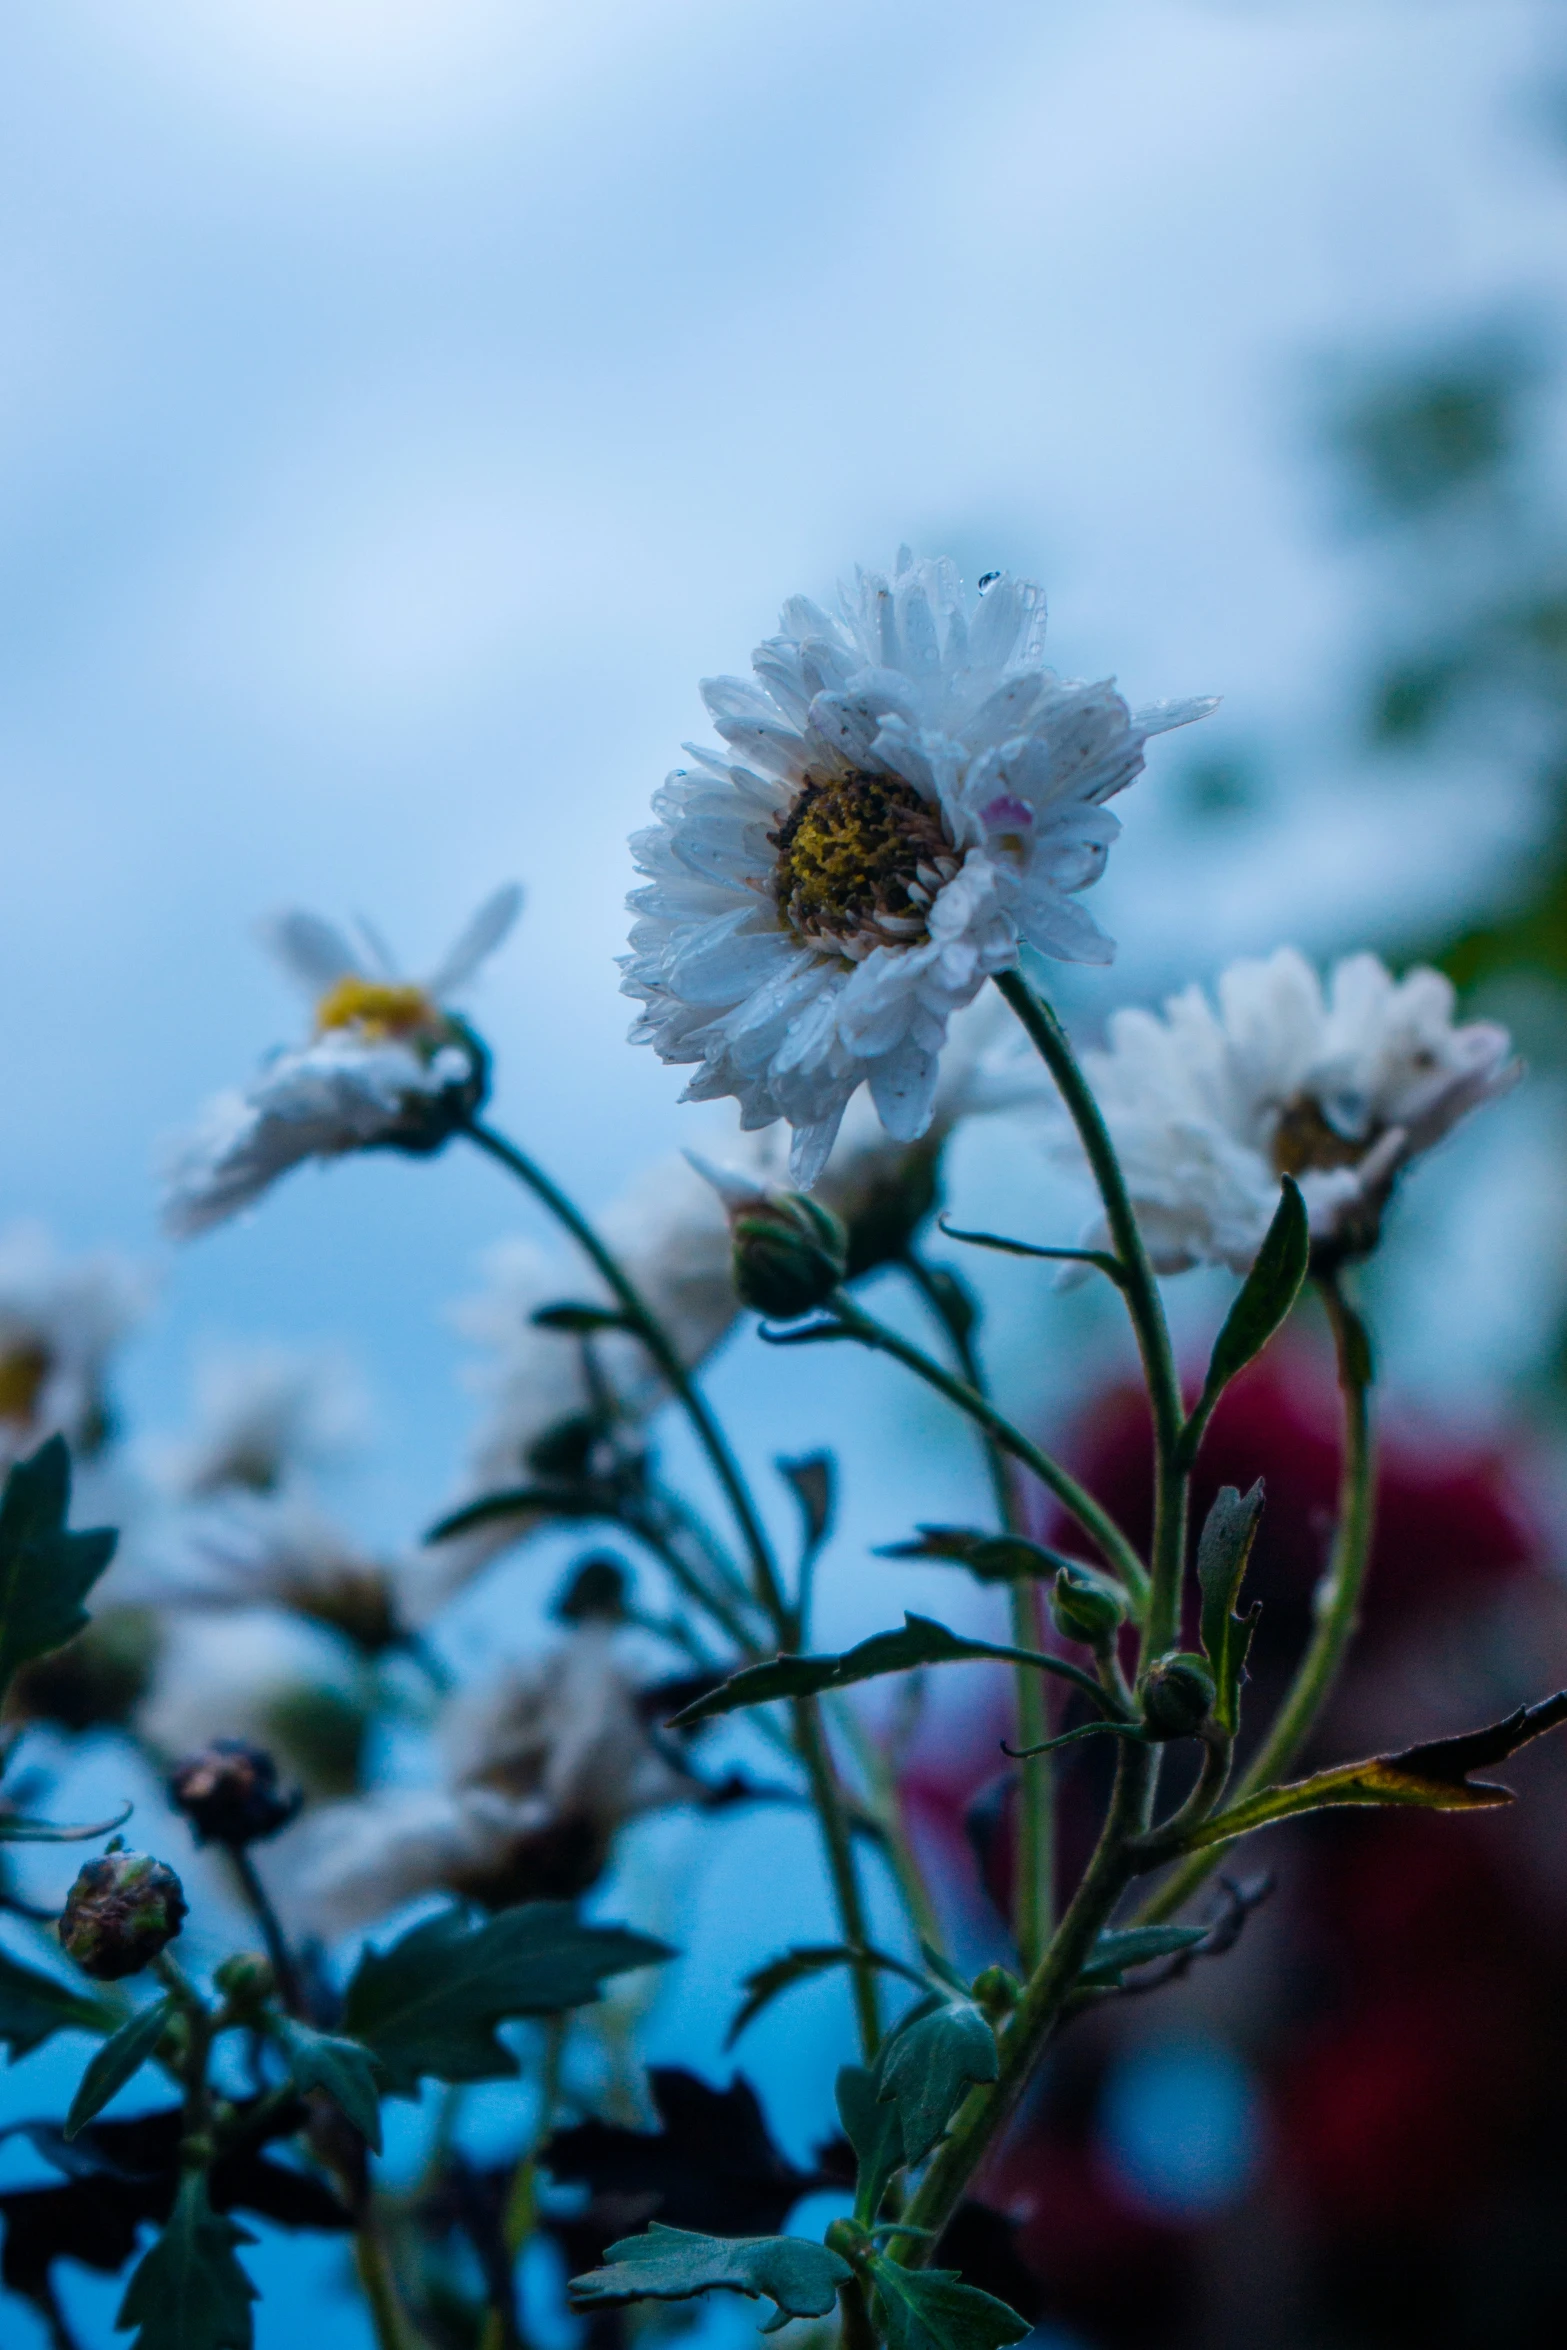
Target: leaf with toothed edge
[
  {"x": 672, "y": 2264},
  {"x": 928, "y": 2068},
  {"x": 932, "y": 2309},
  {"x": 341, "y": 2069},
  {"x": 921, "y": 1641},
  {"x": 46, "y": 1572},
  {"x": 802, "y": 1965},
  {"x": 189, "y": 2292},
  {"x": 34, "y": 2005}
]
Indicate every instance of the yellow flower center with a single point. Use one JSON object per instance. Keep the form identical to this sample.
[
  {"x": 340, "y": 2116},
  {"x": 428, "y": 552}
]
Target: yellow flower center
[
  {"x": 377, "y": 1007},
  {"x": 1304, "y": 1143},
  {"x": 22, "y": 1374},
  {"x": 860, "y": 858}
]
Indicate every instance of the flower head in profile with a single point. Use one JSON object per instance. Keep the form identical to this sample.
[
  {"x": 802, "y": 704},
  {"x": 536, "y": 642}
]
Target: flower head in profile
[
  {"x": 389, "y": 1067},
  {"x": 61, "y": 1318},
  {"x": 906, "y": 796},
  {"x": 540, "y": 1767},
  {"x": 1339, "y": 1086}
]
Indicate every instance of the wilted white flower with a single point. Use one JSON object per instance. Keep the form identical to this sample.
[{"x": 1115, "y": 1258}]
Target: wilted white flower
[
  {"x": 1339, "y": 1088},
  {"x": 539, "y": 1770},
  {"x": 390, "y": 1067},
  {"x": 60, "y": 1320},
  {"x": 907, "y": 795},
  {"x": 265, "y": 1415},
  {"x": 255, "y": 1673}
]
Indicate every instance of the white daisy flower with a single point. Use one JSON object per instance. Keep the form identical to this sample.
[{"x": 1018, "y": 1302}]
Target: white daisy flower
[
  {"x": 256, "y": 1673},
  {"x": 390, "y": 1067},
  {"x": 247, "y": 1550},
  {"x": 539, "y": 1769},
  {"x": 61, "y": 1318},
  {"x": 1340, "y": 1088},
  {"x": 907, "y": 795},
  {"x": 265, "y": 1415}
]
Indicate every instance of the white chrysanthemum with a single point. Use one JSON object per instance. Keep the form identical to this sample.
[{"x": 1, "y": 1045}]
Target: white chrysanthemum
[
  {"x": 256, "y": 1673},
  {"x": 264, "y": 1416},
  {"x": 539, "y": 1770},
  {"x": 247, "y": 1550},
  {"x": 389, "y": 1067},
  {"x": 1339, "y": 1088},
  {"x": 908, "y": 793},
  {"x": 61, "y": 1319}
]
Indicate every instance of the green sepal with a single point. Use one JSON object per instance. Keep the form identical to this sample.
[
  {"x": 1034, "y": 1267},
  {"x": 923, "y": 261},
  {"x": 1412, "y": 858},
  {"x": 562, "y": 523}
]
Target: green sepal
[
  {"x": 928, "y": 2067},
  {"x": 932, "y": 2309},
  {"x": 1430, "y": 1778},
  {"x": 430, "y": 2004},
  {"x": 674, "y": 2264},
  {"x": 34, "y": 2005},
  {"x": 45, "y": 1572},
  {"x": 920, "y": 1642},
  {"x": 1266, "y": 1296},
  {"x": 1228, "y": 1533},
  {"x": 345, "y": 2071},
  {"x": 189, "y": 2292},
  {"x": 117, "y": 2061}
]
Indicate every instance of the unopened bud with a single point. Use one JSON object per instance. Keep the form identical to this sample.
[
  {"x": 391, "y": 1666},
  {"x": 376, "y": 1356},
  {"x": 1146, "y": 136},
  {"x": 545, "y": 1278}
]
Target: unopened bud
[
  {"x": 122, "y": 1910},
  {"x": 1177, "y": 1695},
  {"x": 996, "y": 1991},
  {"x": 790, "y": 1254},
  {"x": 1086, "y": 1606},
  {"x": 229, "y": 1792},
  {"x": 245, "y": 1980}
]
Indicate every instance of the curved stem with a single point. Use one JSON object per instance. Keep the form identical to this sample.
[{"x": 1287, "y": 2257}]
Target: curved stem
[
  {"x": 654, "y": 1337},
  {"x": 1033, "y": 1898},
  {"x": 1144, "y": 1304},
  {"x": 1336, "y": 1605},
  {"x": 1096, "y": 1522},
  {"x": 392, "y": 2330},
  {"x": 811, "y": 1744}
]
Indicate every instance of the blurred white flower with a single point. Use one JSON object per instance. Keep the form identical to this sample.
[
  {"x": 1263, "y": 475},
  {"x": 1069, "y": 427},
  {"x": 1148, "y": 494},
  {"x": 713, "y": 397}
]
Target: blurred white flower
[
  {"x": 1339, "y": 1088},
  {"x": 61, "y": 1319},
  {"x": 390, "y": 1068},
  {"x": 908, "y": 793},
  {"x": 539, "y": 1770},
  {"x": 264, "y": 1415},
  {"x": 256, "y": 1673},
  {"x": 281, "y": 1550}
]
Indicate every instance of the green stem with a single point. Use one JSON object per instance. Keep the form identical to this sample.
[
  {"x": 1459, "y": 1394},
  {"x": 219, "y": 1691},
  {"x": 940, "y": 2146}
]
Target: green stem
[
  {"x": 392, "y": 2328},
  {"x": 1144, "y": 1304},
  {"x": 520, "y": 2215},
  {"x": 1033, "y": 1899},
  {"x": 881, "y": 1780},
  {"x": 811, "y": 1745},
  {"x": 984, "y": 2110},
  {"x": 289, "y": 1988},
  {"x": 653, "y": 1336},
  {"x": 1336, "y": 1605},
  {"x": 1100, "y": 1527},
  {"x": 196, "y": 2143},
  {"x": 857, "y": 2332}
]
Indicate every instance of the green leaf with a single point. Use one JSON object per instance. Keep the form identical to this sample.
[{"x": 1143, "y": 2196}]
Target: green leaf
[
  {"x": 927, "y": 2068},
  {"x": 1267, "y": 1294},
  {"x": 875, "y": 2133},
  {"x": 45, "y": 1572},
  {"x": 1115, "y": 1951},
  {"x": 517, "y": 1501},
  {"x": 672, "y": 2264},
  {"x": 430, "y": 2004},
  {"x": 344, "y": 2070},
  {"x": 16, "y": 1830},
  {"x": 1222, "y": 1554},
  {"x": 921, "y": 1642},
  {"x": 35, "y": 2005},
  {"x": 932, "y": 2309},
  {"x": 799, "y": 1966},
  {"x": 994, "y": 1558},
  {"x": 578, "y": 1321},
  {"x": 117, "y": 2061},
  {"x": 1432, "y": 1778},
  {"x": 189, "y": 2292}
]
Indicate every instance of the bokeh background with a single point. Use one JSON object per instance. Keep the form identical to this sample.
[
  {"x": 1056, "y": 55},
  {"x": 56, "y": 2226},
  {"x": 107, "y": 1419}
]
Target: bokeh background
[{"x": 404, "y": 401}]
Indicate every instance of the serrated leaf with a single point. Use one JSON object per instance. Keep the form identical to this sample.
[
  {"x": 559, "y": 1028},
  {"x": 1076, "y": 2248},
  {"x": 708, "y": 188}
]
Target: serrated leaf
[
  {"x": 342, "y": 2068},
  {"x": 800, "y": 1965},
  {"x": 45, "y": 1572},
  {"x": 33, "y": 2005},
  {"x": 812, "y": 1479},
  {"x": 1431, "y": 1778},
  {"x": 994, "y": 1558},
  {"x": 1129, "y": 1946},
  {"x": 928, "y": 2067},
  {"x": 1228, "y": 1533},
  {"x": 920, "y": 1642},
  {"x": 117, "y": 2061},
  {"x": 1266, "y": 1296},
  {"x": 577, "y": 1321},
  {"x": 672, "y": 2264},
  {"x": 875, "y": 2133},
  {"x": 190, "y": 2292},
  {"x": 430, "y": 2004},
  {"x": 932, "y": 2309}
]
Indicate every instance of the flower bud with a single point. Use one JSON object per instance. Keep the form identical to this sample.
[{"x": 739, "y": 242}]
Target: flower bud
[
  {"x": 229, "y": 1792},
  {"x": 246, "y": 1980},
  {"x": 122, "y": 1910},
  {"x": 1177, "y": 1695},
  {"x": 790, "y": 1254},
  {"x": 995, "y": 1992},
  {"x": 1086, "y": 1606}
]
